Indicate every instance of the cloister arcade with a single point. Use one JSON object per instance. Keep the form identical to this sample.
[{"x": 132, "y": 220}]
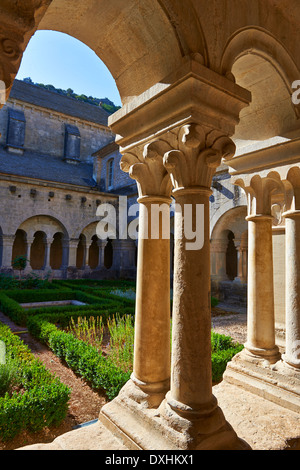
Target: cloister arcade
[
  {"x": 202, "y": 86},
  {"x": 50, "y": 251}
]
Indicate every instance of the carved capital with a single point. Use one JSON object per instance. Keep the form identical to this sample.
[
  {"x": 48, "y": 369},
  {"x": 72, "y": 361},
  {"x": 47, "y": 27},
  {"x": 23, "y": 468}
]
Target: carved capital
[
  {"x": 259, "y": 191},
  {"x": 198, "y": 152},
  {"x": 19, "y": 21},
  {"x": 145, "y": 166}
]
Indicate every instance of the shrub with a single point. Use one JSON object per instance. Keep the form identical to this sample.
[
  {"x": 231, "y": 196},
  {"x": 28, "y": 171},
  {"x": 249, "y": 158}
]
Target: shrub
[
  {"x": 8, "y": 377},
  {"x": 44, "y": 399},
  {"x": 81, "y": 357}
]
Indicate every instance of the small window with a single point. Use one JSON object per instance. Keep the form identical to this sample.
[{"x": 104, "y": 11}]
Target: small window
[
  {"x": 110, "y": 174},
  {"x": 72, "y": 143},
  {"x": 16, "y": 131}
]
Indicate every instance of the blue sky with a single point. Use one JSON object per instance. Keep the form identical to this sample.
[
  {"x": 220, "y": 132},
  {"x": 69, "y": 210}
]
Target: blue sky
[{"x": 57, "y": 59}]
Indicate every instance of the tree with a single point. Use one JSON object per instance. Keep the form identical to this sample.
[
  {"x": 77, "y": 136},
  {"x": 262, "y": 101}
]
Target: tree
[{"x": 20, "y": 263}]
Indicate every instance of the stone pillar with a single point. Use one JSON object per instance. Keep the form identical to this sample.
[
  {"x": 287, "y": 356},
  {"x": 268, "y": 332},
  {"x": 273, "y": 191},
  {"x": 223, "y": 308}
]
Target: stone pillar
[
  {"x": 48, "y": 243},
  {"x": 292, "y": 250},
  {"x": 65, "y": 254},
  {"x": 86, "y": 254},
  {"x": 245, "y": 263},
  {"x": 260, "y": 343},
  {"x": 191, "y": 168},
  {"x": 29, "y": 241},
  {"x": 241, "y": 260},
  {"x": 218, "y": 249},
  {"x": 73, "y": 245},
  {"x": 151, "y": 369},
  {"x": 7, "y": 249},
  {"x": 185, "y": 121},
  {"x": 191, "y": 383},
  {"x": 261, "y": 321},
  {"x": 101, "y": 245}
]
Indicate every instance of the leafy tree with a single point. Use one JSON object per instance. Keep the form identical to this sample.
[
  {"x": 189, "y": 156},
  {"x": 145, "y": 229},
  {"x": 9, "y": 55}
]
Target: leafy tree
[{"x": 20, "y": 263}]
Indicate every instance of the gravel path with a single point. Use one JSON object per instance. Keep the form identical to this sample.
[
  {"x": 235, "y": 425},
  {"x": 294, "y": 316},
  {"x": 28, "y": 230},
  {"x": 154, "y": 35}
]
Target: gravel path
[{"x": 228, "y": 321}]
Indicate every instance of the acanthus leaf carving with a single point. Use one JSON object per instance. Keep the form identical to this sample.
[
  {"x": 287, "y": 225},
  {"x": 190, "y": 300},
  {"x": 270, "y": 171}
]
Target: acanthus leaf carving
[
  {"x": 147, "y": 169},
  {"x": 199, "y": 152}
]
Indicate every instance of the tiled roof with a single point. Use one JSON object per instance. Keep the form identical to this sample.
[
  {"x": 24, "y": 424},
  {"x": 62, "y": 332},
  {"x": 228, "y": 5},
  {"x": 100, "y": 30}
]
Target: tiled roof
[
  {"x": 49, "y": 168},
  {"x": 52, "y": 100}
]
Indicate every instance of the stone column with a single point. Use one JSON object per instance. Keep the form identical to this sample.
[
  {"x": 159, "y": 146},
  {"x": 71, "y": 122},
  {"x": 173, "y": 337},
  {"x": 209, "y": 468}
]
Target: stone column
[
  {"x": 7, "y": 249},
  {"x": 48, "y": 243},
  {"x": 86, "y": 254},
  {"x": 73, "y": 245},
  {"x": 218, "y": 248},
  {"x": 191, "y": 168},
  {"x": 181, "y": 113},
  {"x": 260, "y": 343},
  {"x": 241, "y": 277},
  {"x": 151, "y": 369},
  {"x": 29, "y": 241},
  {"x": 101, "y": 246},
  {"x": 292, "y": 251},
  {"x": 261, "y": 321}
]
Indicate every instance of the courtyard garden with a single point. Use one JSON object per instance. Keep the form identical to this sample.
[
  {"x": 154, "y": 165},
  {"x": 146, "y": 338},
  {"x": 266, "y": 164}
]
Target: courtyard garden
[{"x": 88, "y": 327}]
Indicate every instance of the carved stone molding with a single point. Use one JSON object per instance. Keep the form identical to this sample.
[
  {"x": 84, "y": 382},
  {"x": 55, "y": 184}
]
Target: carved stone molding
[
  {"x": 145, "y": 165},
  {"x": 259, "y": 192},
  {"x": 19, "y": 21},
  {"x": 198, "y": 153}
]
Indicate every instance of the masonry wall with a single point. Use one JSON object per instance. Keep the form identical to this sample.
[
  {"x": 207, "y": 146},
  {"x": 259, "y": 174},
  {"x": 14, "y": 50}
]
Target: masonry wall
[
  {"x": 73, "y": 214},
  {"x": 45, "y": 131}
]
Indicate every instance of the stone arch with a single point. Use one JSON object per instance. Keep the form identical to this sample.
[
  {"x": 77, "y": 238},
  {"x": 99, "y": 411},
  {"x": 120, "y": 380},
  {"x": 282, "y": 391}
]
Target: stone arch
[
  {"x": 258, "y": 62},
  {"x": 260, "y": 42},
  {"x": 228, "y": 242},
  {"x": 127, "y": 33},
  {"x": 45, "y": 223}
]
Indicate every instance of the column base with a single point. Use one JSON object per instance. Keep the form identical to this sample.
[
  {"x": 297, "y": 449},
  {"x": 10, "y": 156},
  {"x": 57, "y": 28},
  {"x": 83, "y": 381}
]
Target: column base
[
  {"x": 268, "y": 356},
  {"x": 143, "y": 428},
  {"x": 277, "y": 383}
]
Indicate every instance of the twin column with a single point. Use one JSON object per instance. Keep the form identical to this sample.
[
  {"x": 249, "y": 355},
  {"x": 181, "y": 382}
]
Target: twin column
[{"x": 188, "y": 169}]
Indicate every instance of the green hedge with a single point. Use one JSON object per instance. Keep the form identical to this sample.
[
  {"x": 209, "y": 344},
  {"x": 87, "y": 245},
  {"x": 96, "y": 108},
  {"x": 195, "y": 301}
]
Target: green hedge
[
  {"x": 81, "y": 357},
  {"x": 223, "y": 350},
  {"x": 44, "y": 399}
]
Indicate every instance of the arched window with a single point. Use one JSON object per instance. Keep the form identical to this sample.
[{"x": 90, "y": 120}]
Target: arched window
[{"x": 110, "y": 174}]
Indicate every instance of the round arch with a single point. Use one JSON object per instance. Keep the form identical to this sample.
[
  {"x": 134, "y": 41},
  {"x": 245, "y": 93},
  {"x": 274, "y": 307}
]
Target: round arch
[
  {"x": 259, "y": 42},
  {"x": 43, "y": 223},
  {"x": 126, "y": 33}
]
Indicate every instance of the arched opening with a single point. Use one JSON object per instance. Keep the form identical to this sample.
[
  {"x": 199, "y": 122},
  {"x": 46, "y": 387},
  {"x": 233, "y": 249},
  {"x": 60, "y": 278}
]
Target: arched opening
[
  {"x": 231, "y": 257},
  {"x": 94, "y": 253},
  {"x": 108, "y": 254},
  {"x": 20, "y": 244},
  {"x": 56, "y": 252},
  {"x": 38, "y": 251},
  {"x": 80, "y": 254}
]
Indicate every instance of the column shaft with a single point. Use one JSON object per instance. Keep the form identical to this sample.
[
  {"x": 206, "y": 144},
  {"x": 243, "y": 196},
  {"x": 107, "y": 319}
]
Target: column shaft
[
  {"x": 261, "y": 322},
  {"x": 151, "y": 370},
  {"x": 292, "y": 247},
  {"x": 191, "y": 379}
]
